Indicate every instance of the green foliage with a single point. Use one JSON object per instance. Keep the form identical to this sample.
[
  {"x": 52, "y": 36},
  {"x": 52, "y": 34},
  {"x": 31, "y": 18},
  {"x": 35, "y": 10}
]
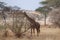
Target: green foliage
[
  {"x": 44, "y": 9},
  {"x": 47, "y": 4},
  {"x": 40, "y": 9},
  {"x": 51, "y": 3},
  {"x": 44, "y": 2}
]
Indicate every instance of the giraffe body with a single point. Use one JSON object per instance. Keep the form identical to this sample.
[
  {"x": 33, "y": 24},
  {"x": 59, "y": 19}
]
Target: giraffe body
[{"x": 33, "y": 25}]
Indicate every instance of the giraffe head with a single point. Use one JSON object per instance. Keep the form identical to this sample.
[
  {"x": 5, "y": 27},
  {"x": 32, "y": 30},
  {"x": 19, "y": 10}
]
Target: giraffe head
[{"x": 25, "y": 13}]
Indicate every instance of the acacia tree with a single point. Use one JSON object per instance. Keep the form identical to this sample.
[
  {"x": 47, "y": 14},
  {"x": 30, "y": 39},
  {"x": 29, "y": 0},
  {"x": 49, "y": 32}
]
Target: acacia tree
[
  {"x": 55, "y": 6},
  {"x": 54, "y": 3},
  {"x": 48, "y": 5},
  {"x": 44, "y": 10},
  {"x": 4, "y": 9},
  {"x": 51, "y": 3}
]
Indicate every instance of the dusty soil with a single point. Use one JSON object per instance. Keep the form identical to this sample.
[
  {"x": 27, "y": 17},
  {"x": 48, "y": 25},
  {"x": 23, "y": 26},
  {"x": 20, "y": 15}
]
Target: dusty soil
[{"x": 45, "y": 34}]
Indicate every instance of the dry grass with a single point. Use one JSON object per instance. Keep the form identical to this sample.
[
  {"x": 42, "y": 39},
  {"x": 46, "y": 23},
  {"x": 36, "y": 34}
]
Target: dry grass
[
  {"x": 45, "y": 34},
  {"x": 8, "y": 33}
]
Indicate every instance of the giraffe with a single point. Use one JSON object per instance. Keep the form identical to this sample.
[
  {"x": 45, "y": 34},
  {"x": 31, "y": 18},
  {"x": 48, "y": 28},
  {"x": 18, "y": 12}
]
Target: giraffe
[{"x": 33, "y": 25}]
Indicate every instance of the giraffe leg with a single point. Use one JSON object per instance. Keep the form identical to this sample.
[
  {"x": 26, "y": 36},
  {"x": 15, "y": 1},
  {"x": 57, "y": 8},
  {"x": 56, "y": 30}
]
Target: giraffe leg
[
  {"x": 38, "y": 31},
  {"x": 34, "y": 32},
  {"x": 31, "y": 31}
]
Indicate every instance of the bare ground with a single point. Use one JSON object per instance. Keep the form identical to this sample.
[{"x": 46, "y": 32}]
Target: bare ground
[{"x": 45, "y": 34}]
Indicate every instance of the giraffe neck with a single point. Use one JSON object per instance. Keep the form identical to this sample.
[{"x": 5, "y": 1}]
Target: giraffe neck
[{"x": 30, "y": 19}]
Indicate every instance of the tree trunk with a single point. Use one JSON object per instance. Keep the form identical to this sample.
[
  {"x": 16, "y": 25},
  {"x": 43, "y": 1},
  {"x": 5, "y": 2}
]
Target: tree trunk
[{"x": 45, "y": 20}]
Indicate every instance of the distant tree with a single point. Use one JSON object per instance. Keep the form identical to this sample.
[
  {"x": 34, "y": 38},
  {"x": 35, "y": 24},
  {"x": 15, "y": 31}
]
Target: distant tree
[
  {"x": 55, "y": 17},
  {"x": 16, "y": 8},
  {"x": 51, "y": 3},
  {"x": 4, "y": 9},
  {"x": 2, "y": 4},
  {"x": 44, "y": 10}
]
